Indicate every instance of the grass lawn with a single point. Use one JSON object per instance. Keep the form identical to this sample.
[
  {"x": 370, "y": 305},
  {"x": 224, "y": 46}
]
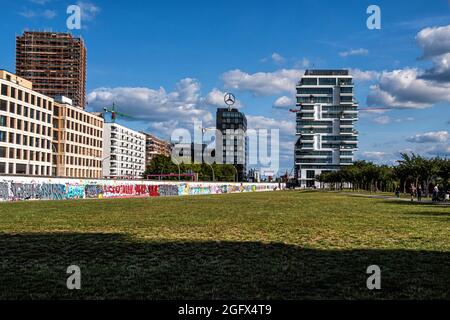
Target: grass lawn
[{"x": 280, "y": 245}]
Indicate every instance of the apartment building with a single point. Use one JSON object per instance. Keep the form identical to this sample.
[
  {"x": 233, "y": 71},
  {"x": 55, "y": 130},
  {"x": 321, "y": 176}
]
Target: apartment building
[
  {"x": 77, "y": 141},
  {"x": 25, "y": 128},
  {"x": 326, "y": 117},
  {"x": 155, "y": 146},
  {"x": 123, "y": 151},
  {"x": 55, "y": 63}
]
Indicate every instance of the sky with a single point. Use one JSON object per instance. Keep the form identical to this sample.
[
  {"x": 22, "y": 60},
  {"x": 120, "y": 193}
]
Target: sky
[{"x": 168, "y": 63}]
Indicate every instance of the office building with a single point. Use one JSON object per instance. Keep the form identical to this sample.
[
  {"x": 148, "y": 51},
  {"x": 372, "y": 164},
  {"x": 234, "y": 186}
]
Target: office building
[
  {"x": 326, "y": 116},
  {"x": 25, "y": 128},
  {"x": 233, "y": 126},
  {"x": 123, "y": 152},
  {"x": 54, "y": 62},
  {"x": 155, "y": 146},
  {"x": 77, "y": 141}
]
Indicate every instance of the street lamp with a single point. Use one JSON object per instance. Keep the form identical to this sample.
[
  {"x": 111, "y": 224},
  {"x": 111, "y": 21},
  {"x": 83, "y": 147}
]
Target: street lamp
[
  {"x": 178, "y": 165},
  {"x": 212, "y": 171}
]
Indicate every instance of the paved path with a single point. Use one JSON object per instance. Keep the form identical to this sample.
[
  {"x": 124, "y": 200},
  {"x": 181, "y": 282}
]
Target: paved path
[{"x": 392, "y": 198}]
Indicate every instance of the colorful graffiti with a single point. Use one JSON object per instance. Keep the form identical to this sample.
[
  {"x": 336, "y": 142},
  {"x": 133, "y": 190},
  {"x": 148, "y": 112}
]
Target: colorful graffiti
[{"x": 15, "y": 189}]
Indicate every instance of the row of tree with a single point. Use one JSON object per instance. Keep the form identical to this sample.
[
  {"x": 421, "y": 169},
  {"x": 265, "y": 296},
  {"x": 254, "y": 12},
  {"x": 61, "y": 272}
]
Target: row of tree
[
  {"x": 412, "y": 170},
  {"x": 161, "y": 165}
]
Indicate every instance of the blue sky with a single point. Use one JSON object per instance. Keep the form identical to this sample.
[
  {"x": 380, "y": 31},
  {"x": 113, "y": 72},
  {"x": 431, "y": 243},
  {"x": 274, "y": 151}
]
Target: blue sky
[{"x": 168, "y": 62}]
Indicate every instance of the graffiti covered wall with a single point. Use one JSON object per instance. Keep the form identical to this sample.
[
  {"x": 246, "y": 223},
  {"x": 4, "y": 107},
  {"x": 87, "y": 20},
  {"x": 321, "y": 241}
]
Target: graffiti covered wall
[{"x": 27, "y": 188}]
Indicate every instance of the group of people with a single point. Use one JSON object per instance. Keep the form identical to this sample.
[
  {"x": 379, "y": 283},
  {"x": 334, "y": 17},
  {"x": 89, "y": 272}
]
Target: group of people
[{"x": 418, "y": 192}]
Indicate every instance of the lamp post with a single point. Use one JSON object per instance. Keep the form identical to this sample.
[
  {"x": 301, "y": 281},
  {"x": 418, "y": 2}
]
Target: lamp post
[
  {"x": 178, "y": 165},
  {"x": 213, "y": 177}
]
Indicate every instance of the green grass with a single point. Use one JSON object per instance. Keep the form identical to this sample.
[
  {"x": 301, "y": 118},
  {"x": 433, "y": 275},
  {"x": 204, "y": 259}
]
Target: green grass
[{"x": 282, "y": 245}]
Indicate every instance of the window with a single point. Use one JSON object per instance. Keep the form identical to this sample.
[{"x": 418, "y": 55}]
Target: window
[
  {"x": 327, "y": 81},
  {"x": 21, "y": 168},
  {"x": 18, "y": 139},
  {"x": 3, "y": 105},
  {"x": 310, "y": 174},
  {"x": 2, "y": 136},
  {"x": 12, "y": 107},
  {"x": 2, "y": 152},
  {"x": 13, "y": 92},
  {"x": 2, "y": 167},
  {"x": 12, "y": 152},
  {"x": 4, "y": 90},
  {"x": 3, "y": 121}
]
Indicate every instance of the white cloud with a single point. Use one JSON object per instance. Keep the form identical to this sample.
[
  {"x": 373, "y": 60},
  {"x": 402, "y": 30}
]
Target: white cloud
[
  {"x": 47, "y": 14},
  {"x": 404, "y": 88},
  {"x": 375, "y": 155},
  {"x": 263, "y": 83},
  {"x": 284, "y": 102},
  {"x": 382, "y": 120},
  {"x": 278, "y": 58},
  {"x": 40, "y": 2},
  {"x": 275, "y": 58},
  {"x": 436, "y": 137},
  {"x": 162, "y": 109},
  {"x": 89, "y": 10},
  {"x": 434, "y": 41},
  {"x": 215, "y": 98},
  {"x": 354, "y": 52},
  {"x": 362, "y": 76},
  {"x": 303, "y": 63}
]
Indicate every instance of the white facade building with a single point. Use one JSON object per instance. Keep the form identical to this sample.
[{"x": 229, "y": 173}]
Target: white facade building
[
  {"x": 326, "y": 116},
  {"x": 123, "y": 152},
  {"x": 25, "y": 128}
]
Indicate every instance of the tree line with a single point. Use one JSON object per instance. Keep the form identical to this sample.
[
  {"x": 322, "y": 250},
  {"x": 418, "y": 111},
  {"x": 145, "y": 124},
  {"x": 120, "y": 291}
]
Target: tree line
[
  {"x": 411, "y": 170},
  {"x": 164, "y": 165}
]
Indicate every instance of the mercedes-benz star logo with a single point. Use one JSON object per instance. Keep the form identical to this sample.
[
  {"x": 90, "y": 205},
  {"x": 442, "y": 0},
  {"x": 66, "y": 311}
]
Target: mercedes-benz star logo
[{"x": 230, "y": 99}]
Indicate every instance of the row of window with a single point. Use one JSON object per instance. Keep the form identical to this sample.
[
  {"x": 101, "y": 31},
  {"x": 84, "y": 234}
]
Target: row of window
[
  {"x": 83, "y": 151},
  {"x": 23, "y": 154},
  {"x": 83, "y": 129},
  {"x": 23, "y": 169},
  {"x": 9, "y": 91},
  {"x": 78, "y": 115},
  {"x": 83, "y": 173},
  {"x": 77, "y": 161},
  {"x": 78, "y": 138},
  {"x": 26, "y": 126},
  {"x": 25, "y": 111},
  {"x": 326, "y": 81},
  {"x": 21, "y": 139}
]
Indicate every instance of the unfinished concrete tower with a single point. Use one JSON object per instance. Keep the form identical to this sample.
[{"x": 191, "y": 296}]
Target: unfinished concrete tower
[{"x": 54, "y": 62}]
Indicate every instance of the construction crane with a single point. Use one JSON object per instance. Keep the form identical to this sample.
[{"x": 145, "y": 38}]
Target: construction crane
[{"x": 115, "y": 113}]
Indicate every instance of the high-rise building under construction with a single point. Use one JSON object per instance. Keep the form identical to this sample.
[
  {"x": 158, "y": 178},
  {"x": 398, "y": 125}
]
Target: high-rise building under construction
[{"x": 54, "y": 62}]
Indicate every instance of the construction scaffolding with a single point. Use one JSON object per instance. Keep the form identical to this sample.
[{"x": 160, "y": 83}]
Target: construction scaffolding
[{"x": 54, "y": 62}]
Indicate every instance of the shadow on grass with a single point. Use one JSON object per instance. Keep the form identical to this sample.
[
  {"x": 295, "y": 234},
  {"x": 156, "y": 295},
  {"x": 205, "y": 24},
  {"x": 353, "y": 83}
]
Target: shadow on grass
[{"x": 113, "y": 266}]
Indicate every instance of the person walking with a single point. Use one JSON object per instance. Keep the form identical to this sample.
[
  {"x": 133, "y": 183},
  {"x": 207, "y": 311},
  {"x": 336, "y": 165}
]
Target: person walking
[
  {"x": 435, "y": 193},
  {"x": 413, "y": 192},
  {"x": 419, "y": 194}
]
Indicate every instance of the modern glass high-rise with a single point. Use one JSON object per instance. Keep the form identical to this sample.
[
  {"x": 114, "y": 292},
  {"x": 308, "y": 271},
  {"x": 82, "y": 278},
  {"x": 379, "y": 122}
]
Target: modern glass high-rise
[
  {"x": 233, "y": 126},
  {"x": 326, "y": 116}
]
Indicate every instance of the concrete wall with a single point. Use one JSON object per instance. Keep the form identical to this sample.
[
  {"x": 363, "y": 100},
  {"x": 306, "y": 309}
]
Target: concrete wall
[{"x": 29, "y": 188}]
